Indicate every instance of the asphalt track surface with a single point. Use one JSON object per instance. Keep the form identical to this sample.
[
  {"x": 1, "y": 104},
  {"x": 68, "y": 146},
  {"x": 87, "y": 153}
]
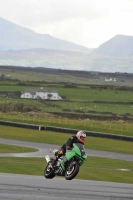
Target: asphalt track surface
[{"x": 24, "y": 187}]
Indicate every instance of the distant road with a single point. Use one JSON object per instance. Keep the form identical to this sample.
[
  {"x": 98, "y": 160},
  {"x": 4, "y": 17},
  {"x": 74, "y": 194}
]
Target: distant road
[{"x": 43, "y": 149}]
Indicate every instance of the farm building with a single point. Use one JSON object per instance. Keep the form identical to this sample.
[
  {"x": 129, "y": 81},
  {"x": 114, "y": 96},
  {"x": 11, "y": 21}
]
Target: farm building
[
  {"x": 40, "y": 93},
  {"x": 4, "y": 77},
  {"x": 110, "y": 79}
]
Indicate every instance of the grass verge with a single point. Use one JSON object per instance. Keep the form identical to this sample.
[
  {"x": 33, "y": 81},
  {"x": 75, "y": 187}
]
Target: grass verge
[
  {"x": 95, "y": 168},
  {"x": 4, "y": 148}
]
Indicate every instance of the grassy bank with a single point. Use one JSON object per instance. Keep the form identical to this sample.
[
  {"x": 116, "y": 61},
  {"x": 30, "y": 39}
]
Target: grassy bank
[
  {"x": 114, "y": 127},
  {"x": 101, "y": 169}
]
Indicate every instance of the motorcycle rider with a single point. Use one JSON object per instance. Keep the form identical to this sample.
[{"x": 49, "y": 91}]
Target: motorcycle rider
[{"x": 78, "y": 138}]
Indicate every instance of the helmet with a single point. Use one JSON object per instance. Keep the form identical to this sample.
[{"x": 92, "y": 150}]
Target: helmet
[{"x": 81, "y": 135}]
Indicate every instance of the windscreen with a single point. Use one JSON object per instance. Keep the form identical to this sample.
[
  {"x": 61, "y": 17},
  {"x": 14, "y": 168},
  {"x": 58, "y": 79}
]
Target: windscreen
[{"x": 81, "y": 147}]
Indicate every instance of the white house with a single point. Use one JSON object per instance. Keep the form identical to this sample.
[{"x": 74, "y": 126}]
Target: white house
[
  {"x": 110, "y": 79},
  {"x": 40, "y": 93}
]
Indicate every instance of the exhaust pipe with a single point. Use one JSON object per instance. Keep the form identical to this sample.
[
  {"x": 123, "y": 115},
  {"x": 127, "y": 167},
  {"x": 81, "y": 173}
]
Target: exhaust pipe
[{"x": 47, "y": 158}]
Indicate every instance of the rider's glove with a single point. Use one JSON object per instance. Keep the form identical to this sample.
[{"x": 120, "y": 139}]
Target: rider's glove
[{"x": 68, "y": 148}]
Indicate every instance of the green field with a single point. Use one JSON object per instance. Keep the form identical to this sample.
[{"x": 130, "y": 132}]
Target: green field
[
  {"x": 83, "y": 94},
  {"x": 78, "y": 97},
  {"x": 87, "y": 107}
]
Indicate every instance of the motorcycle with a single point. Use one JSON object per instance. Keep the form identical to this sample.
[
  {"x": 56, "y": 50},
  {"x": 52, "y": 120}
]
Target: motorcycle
[{"x": 73, "y": 160}]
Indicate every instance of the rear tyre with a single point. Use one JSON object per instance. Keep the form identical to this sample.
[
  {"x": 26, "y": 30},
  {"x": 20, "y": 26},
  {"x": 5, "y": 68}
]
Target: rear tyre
[
  {"x": 49, "y": 172},
  {"x": 70, "y": 174}
]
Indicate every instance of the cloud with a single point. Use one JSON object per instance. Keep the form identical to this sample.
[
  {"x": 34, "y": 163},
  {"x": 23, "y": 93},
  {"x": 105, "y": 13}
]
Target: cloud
[
  {"x": 52, "y": 10},
  {"x": 85, "y": 22}
]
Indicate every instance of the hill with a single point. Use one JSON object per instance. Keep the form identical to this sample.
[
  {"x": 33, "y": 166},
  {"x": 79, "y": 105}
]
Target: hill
[
  {"x": 58, "y": 59},
  {"x": 40, "y": 57},
  {"x": 118, "y": 45},
  {"x": 15, "y": 37}
]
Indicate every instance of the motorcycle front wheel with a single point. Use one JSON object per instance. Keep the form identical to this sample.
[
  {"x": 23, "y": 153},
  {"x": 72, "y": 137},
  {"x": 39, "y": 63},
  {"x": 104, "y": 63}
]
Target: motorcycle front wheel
[
  {"x": 71, "y": 173},
  {"x": 48, "y": 172}
]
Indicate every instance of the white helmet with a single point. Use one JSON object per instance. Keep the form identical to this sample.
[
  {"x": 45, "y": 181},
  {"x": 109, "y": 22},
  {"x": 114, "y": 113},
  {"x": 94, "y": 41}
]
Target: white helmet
[{"x": 81, "y": 135}]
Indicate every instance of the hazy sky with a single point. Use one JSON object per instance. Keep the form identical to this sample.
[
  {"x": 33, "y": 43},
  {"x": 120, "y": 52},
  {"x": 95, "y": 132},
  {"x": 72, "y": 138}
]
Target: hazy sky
[{"x": 85, "y": 22}]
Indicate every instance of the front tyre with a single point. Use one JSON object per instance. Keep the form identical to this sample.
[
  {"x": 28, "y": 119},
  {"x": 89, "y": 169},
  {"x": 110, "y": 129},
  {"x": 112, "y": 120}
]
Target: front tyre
[
  {"x": 71, "y": 173},
  {"x": 49, "y": 172}
]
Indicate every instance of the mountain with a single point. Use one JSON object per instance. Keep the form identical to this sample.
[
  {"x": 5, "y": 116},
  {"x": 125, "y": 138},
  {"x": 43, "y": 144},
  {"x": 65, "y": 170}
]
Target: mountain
[
  {"x": 20, "y": 46},
  {"x": 15, "y": 37},
  {"x": 118, "y": 45}
]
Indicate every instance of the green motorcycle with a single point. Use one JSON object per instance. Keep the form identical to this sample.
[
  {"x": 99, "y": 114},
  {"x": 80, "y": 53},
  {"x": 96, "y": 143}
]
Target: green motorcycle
[{"x": 73, "y": 160}]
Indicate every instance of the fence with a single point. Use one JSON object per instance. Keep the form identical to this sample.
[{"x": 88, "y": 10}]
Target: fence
[
  {"x": 66, "y": 130},
  {"x": 49, "y": 120}
]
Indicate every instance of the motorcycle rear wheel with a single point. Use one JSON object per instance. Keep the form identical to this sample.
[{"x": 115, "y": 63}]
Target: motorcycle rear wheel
[
  {"x": 70, "y": 174},
  {"x": 48, "y": 172}
]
